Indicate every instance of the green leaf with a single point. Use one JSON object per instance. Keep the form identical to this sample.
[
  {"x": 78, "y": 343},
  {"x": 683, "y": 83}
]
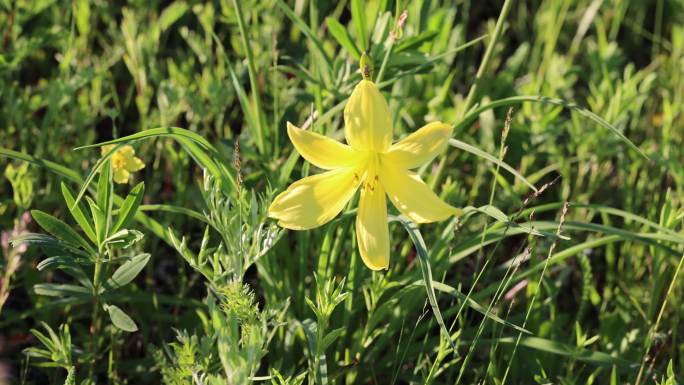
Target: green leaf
[
  {"x": 176, "y": 210},
  {"x": 129, "y": 207},
  {"x": 286, "y": 168},
  {"x": 62, "y": 290},
  {"x": 251, "y": 72},
  {"x": 339, "y": 32},
  {"x": 476, "y": 151},
  {"x": 104, "y": 160},
  {"x": 474, "y": 113},
  {"x": 500, "y": 216},
  {"x": 152, "y": 225},
  {"x": 120, "y": 319},
  {"x": 77, "y": 213},
  {"x": 123, "y": 239},
  {"x": 52, "y": 166},
  {"x": 99, "y": 219},
  {"x": 359, "y": 19},
  {"x": 60, "y": 229},
  {"x": 48, "y": 243},
  {"x": 104, "y": 189},
  {"x": 429, "y": 62},
  {"x": 424, "y": 259},
  {"x": 331, "y": 337},
  {"x": 311, "y": 330},
  {"x": 196, "y": 146},
  {"x": 415, "y": 41},
  {"x": 562, "y": 349},
  {"x": 127, "y": 272},
  {"x": 305, "y": 30},
  {"x": 248, "y": 109},
  {"x": 67, "y": 265},
  {"x": 172, "y": 132},
  {"x": 82, "y": 13},
  {"x": 171, "y": 14},
  {"x": 475, "y": 306}
]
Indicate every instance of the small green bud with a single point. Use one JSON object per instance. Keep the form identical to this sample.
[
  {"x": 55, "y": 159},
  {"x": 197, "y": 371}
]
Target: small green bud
[{"x": 366, "y": 66}]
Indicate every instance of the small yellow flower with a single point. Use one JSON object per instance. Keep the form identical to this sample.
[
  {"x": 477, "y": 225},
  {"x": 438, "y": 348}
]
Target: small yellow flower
[
  {"x": 124, "y": 162},
  {"x": 372, "y": 162}
]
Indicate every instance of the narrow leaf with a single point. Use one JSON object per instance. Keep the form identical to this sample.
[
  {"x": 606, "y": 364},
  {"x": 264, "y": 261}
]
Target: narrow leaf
[
  {"x": 59, "y": 229},
  {"x": 359, "y": 18},
  {"x": 61, "y": 290},
  {"x": 123, "y": 239},
  {"x": 120, "y": 319},
  {"x": 128, "y": 271},
  {"x": 474, "y": 113},
  {"x": 104, "y": 187},
  {"x": 52, "y": 166},
  {"x": 77, "y": 213},
  {"x": 196, "y": 146},
  {"x": 129, "y": 207},
  {"x": 476, "y": 306},
  {"x": 340, "y": 34},
  {"x": 302, "y": 25},
  {"x": 99, "y": 219},
  {"x": 476, "y": 151},
  {"x": 554, "y": 347},
  {"x": 424, "y": 259}
]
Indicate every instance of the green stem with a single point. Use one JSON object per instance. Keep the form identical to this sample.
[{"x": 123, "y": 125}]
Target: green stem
[
  {"x": 95, "y": 321},
  {"x": 385, "y": 60},
  {"x": 488, "y": 55},
  {"x": 657, "y": 323},
  {"x": 251, "y": 70},
  {"x": 484, "y": 65},
  {"x": 502, "y": 152}
]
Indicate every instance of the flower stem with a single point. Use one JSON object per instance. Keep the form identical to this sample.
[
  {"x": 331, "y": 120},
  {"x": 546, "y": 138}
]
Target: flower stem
[{"x": 95, "y": 315}]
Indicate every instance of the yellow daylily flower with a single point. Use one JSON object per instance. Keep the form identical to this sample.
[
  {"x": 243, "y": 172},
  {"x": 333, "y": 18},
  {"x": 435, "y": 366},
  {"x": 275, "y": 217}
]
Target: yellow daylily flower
[
  {"x": 371, "y": 162},
  {"x": 124, "y": 162}
]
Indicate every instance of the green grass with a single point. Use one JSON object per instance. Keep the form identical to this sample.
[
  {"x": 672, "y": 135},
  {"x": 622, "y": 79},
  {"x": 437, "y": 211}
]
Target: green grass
[{"x": 567, "y": 157}]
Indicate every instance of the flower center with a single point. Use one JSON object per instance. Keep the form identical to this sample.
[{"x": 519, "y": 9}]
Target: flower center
[
  {"x": 371, "y": 177},
  {"x": 118, "y": 161}
]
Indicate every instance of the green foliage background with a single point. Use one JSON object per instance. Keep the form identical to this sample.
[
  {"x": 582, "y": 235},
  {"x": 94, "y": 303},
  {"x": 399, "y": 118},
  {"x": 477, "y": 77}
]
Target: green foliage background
[{"x": 187, "y": 282}]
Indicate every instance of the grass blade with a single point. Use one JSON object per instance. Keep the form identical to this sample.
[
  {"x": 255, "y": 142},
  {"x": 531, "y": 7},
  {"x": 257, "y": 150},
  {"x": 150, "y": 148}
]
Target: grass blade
[
  {"x": 424, "y": 259},
  {"x": 474, "y": 113},
  {"x": 339, "y": 32},
  {"x": 476, "y": 151},
  {"x": 305, "y": 29}
]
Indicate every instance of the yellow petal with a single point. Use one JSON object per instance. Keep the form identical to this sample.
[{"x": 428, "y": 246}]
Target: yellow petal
[
  {"x": 126, "y": 151},
  {"x": 121, "y": 175},
  {"x": 368, "y": 125},
  {"x": 372, "y": 233},
  {"x": 315, "y": 200},
  {"x": 104, "y": 150},
  {"x": 320, "y": 150},
  {"x": 413, "y": 198},
  {"x": 420, "y": 147},
  {"x": 134, "y": 164}
]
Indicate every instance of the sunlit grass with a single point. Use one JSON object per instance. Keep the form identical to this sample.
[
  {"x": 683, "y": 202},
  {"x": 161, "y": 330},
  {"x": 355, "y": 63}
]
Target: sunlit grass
[{"x": 565, "y": 157}]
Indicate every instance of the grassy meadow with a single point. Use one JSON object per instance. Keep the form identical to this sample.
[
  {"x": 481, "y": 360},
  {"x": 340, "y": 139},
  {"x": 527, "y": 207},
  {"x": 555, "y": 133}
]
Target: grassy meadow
[{"x": 142, "y": 143}]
